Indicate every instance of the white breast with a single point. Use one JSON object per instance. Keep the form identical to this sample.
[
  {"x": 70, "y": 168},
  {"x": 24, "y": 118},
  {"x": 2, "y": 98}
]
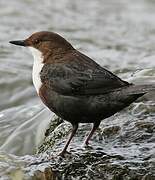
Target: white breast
[{"x": 37, "y": 66}]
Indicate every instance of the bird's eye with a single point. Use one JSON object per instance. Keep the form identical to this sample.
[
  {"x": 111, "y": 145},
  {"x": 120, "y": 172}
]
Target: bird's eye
[{"x": 36, "y": 41}]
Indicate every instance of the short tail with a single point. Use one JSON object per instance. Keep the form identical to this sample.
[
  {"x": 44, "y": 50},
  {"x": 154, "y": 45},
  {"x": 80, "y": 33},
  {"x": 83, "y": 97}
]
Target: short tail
[
  {"x": 139, "y": 89},
  {"x": 132, "y": 92},
  {"x": 123, "y": 97}
]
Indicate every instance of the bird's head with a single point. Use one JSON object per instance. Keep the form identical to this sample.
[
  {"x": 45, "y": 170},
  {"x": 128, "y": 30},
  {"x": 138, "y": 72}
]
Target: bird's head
[{"x": 45, "y": 42}]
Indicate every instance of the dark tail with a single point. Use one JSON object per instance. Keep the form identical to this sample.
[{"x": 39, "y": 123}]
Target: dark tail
[
  {"x": 123, "y": 97},
  {"x": 129, "y": 94},
  {"x": 139, "y": 89}
]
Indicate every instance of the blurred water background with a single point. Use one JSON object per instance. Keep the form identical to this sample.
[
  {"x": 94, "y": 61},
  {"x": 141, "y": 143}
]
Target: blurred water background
[{"x": 120, "y": 35}]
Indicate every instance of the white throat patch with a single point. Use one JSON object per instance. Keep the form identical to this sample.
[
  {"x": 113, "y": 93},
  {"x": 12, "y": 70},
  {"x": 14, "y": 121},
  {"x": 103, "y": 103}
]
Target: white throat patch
[{"x": 37, "y": 66}]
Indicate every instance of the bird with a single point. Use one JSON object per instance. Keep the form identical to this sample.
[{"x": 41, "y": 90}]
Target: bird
[{"x": 74, "y": 86}]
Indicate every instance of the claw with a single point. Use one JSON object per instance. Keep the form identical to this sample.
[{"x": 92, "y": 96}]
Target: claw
[{"x": 62, "y": 153}]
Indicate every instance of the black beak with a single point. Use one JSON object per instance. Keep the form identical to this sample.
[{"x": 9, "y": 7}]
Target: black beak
[{"x": 18, "y": 43}]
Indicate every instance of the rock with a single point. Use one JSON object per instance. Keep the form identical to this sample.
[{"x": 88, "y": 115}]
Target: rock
[{"x": 121, "y": 149}]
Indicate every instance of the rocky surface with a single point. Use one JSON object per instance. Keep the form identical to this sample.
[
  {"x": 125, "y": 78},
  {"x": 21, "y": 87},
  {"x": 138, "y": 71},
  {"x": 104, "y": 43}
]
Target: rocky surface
[{"x": 122, "y": 148}]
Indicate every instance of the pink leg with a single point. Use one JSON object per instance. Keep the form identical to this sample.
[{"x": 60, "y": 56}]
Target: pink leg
[
  {"x": 75, "y": 127},
  {"x": 95, "y": 126}
]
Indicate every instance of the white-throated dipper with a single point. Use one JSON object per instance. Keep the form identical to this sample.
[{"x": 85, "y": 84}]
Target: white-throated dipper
[{"x": 74, "y": 86}]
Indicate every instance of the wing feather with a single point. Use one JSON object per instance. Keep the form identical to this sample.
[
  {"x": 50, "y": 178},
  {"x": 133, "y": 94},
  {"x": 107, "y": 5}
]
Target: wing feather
[{"x": 81, "y": 76}]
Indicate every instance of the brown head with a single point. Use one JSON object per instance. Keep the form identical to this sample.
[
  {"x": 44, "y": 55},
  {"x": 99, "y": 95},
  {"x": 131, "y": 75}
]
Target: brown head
[{"x": 48, "y": 43}]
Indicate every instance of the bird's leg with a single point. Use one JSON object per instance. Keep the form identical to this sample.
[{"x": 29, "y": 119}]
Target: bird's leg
[
  {"x": 95, "y": 126},
  {"x": 75, "y": 127}
]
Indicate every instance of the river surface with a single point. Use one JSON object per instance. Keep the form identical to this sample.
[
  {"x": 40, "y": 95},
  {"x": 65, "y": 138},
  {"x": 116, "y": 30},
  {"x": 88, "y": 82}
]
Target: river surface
[{"x": 120, "y": 35}]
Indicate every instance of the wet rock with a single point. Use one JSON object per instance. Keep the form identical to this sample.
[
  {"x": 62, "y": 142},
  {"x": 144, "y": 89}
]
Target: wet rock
[
  {"x": 124, "y": 152},
  {"x": 146, "y": 126},
  {"x": 121, "y": 149},
  {"x": 111, "y": 131},
  {"x": 47, "y": 174}
]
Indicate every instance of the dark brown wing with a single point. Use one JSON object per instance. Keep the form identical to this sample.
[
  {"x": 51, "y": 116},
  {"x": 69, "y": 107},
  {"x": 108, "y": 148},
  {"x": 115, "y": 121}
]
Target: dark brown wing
[{"x": 80, "y": 76}]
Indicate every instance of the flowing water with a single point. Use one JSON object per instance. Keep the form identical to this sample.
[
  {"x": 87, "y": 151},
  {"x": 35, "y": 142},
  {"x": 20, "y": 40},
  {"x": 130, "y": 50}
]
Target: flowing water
[{"x": 120, "y": 35}]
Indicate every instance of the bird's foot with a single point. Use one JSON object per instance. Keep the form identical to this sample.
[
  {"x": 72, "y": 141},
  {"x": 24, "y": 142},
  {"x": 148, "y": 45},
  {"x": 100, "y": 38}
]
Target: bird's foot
[
  {"x": 87, "y": 145},
  {"x": 63, "y": 153},
  {"x": 86, "y": 142}
]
